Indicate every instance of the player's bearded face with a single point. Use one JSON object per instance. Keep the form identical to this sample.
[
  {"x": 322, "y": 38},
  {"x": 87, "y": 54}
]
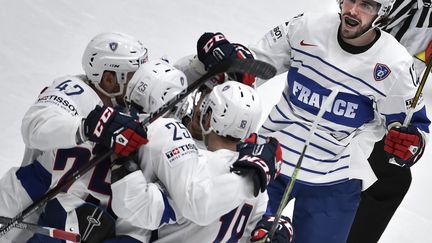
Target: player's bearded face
[{"x": 357, "y": 17}]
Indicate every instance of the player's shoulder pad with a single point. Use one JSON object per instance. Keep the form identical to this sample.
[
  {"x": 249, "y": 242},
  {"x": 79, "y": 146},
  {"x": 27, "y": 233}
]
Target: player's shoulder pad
[
  {"x": 72, "y": 94},
  {"x": 174, "y": 140}
]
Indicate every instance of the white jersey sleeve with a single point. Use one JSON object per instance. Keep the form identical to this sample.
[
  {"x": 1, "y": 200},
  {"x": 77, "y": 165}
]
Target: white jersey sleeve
[
  {"x": 139, "y": 202},
  {"x": 191, "y": 66},
  {"x": 53, "y": 120},
  {"x": 274, "y": 48},
  {"x": 13, "y": 196}
]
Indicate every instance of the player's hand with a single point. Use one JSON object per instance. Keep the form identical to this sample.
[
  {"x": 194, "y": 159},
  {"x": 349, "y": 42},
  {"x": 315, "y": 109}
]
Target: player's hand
[
  {"x": 284, "y": 231},
  {"x": 213, "y": 48},
  {"x": 117, "y": 131},
  {"x": 404, "y": 144},
  {"x": 261, "y": 162}
]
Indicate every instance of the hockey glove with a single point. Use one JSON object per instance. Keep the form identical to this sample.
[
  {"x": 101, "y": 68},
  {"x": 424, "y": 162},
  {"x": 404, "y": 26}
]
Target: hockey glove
[
  {"x": 405, "y": 145},
  {"x": 115, "y": 130},
  {"x": 428, "y": 53},
  {"x": 213, "y": 48},
  {"x": 261, "y": 162},
  {"x": 121, "y": 167},
  {"x": 284, "y": 231}
]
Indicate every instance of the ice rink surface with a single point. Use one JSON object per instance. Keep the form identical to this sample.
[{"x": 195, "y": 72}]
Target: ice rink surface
[{"x": 44, "y": 39}]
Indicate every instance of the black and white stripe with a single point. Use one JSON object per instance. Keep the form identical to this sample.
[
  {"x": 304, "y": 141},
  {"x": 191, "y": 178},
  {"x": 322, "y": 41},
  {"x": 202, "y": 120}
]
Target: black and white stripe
[{"x": 409, "y": 14}]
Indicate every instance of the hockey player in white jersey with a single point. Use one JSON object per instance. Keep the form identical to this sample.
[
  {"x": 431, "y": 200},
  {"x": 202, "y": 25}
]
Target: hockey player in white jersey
[
  {"x": 194, "y": 68},
  {"x": 194, "y": 185},
  {"x": 222, "y": 111},
  {"x": 377, "y": 82},
  {"x": 68, "y": 118}
]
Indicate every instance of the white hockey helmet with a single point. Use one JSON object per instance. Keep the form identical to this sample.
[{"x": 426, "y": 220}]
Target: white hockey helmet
[
  {"x": 383, "y": 11},
  {"x": 154, "y": 84},
  {"x": 115, "y": 52},
  {"x": 235, "y": 110}
]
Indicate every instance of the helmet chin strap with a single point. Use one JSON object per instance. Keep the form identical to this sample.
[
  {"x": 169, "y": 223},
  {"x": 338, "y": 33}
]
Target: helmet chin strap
[
  {"x": 371, "y": 28},
  {"x": 114, "y": 102},
  {"x": 204, "y": 131}
]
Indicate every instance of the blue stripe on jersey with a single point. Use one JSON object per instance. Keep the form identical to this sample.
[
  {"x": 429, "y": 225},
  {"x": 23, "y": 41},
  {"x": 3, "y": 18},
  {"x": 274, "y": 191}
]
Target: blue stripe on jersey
[
  {"x": 324, "y": 76},
  {"x": 35, "y": 179},
  {"x": 419, "y": 119},
  {"x": 339, "y": 70},
  {"x": 284, "y": 95},
  {"x": 266, "y": 129},
  {"x": 311, "y": 144},
  {"x": 347, "y": 109},
  {"x": 311, "y": 157},
  {"x": 316, "y": 184},
  {"x": 302, "y": 126},
  {"x": 168, "y": 211}
]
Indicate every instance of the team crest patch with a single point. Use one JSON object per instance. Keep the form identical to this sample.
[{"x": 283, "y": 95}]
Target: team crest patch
[
  {"x": 381, "y": 71},
  {"x": 113, "y": 46}
]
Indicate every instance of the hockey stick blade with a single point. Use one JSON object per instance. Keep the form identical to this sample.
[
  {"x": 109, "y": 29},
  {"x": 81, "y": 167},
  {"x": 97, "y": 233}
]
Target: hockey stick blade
[
  {"x": 43, "y": 230},
  {"x": 254, "y": 67},
  {"x": 257, "y": 68}
]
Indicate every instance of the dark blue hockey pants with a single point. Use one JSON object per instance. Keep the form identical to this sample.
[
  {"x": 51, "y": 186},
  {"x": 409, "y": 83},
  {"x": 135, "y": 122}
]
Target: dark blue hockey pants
[{"x": 322, "y": 214}]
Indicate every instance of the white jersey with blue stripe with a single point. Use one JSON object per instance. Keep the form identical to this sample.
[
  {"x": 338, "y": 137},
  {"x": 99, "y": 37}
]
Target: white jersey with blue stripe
[
  {"x": 376, "y": 87},
  {"x": 182, "y": 187},
  {"x": 236, "y": 225}
]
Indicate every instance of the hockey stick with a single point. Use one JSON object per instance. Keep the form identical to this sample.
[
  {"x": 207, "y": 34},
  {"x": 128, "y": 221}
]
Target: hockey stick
[
  {"x": 43, "y": 230},
  {"x": 257, "y": 68},
  {"x": 419, "y": 89},
  {"x": 288, "y": 189}
]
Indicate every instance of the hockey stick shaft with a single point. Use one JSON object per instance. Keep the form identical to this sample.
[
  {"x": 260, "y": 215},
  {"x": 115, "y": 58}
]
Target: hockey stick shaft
[
  {"x": 254, "y": 67},
  {"x": 43, "y": 230},
  {"x": 288, "y": 189},
  {"x": 419, "y": 89}
]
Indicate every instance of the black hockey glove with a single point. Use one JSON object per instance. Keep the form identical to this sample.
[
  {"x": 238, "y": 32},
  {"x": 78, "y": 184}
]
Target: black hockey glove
[
  {"x": 213, "y": 48},
  {"x": 284, "y": 231},
  {"x": 117, "y": 131},
  {"x": 261, "y": 162},
  {"x": 405, "y": 145},
  {"x": 121, "y": 167}
]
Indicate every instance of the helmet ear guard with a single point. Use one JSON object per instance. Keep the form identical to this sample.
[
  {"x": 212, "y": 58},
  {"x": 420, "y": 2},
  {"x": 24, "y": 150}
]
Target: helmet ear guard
[{"x": 116, "y": 52}]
